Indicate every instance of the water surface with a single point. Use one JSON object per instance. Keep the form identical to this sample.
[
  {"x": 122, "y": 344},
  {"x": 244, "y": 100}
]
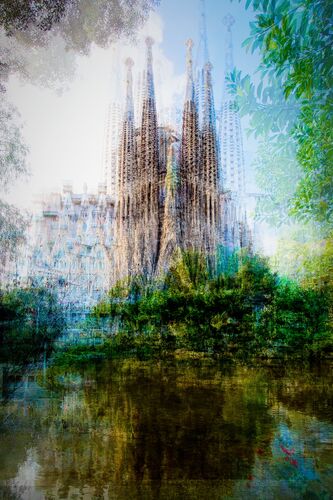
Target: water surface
[{"x": 133, "y": 429}]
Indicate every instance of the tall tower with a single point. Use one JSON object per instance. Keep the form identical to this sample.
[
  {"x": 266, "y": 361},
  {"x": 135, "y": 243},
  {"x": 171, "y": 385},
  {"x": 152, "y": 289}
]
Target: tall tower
[
  {"x": 111, "y": 145},
  {"x": 112, "y": 136},
  {"x": 127, "y": 169},
  {"x": 209, "y": 164},
  {"x": 232, "y": 153},
  {"x": 148, "y": 230},
  {"x": 170, "y": 227},
  {"x": 201, "y": 59},
  {"x": 189, "y": 189},
  {"x": 236, "y": 232}
]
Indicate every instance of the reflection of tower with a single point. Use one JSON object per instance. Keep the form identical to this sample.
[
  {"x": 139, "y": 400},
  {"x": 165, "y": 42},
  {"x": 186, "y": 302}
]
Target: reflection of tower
[{"x": 231, "y": 133}]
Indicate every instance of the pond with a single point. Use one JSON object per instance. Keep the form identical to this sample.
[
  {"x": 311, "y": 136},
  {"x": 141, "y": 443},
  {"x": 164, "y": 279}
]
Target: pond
[{"x": 196, "y": 429}]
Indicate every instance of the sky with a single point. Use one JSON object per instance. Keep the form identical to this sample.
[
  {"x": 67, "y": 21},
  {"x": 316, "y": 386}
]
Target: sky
[{"x": 64, "y": 128}]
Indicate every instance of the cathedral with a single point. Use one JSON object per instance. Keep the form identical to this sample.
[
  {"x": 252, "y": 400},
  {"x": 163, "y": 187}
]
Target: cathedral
[
  {"x": 166, "y": 188},
  {"x": 174, "y": 188}
]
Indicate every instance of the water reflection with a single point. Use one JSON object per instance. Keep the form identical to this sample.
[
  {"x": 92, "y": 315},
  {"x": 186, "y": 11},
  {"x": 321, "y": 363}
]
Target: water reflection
[{"x": 133, "y": 429}]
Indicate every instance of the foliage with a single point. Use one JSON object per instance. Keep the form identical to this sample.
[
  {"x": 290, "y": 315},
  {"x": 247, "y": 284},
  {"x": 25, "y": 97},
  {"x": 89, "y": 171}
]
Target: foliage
[
  {"x": 39, "y": 39},
  {"x": 12, "y": 152},
  {"x": 292, "y": 105},
  {"x": 12, "y": 230},
  {"x": 297, "y": 317},
  {"x": 30, "y": 319},
  {"x": 12, "y": 165},
  {"x": 250, "y": 311}
]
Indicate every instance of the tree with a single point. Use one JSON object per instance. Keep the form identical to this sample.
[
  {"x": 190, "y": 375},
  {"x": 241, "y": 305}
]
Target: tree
[
  {"x": 294, "y": 99},
  {"x": 39, "y": 38},
  {"x": 12, "y": 165}
]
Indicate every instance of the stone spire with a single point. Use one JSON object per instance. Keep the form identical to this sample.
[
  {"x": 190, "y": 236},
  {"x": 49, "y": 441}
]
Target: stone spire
[
  {"x": 112, "y": 130},
  {"x": 203, "y": 32},
  {"x": 232, "y": 154},
  {"x": 149, "y": 139},
  {"x": 229, "y": 21},
  {"x": 147, "y": 239},
  {"x": 208, "y": 105},
  {"x": 235, "y": 226},
  {"x": 149, "y": 92},
  {"x": 127, "y": 171},
  {"x": 129, "y": 109},
  {"x": 209, "y": 164},
  {"x": 189, "y": 190},
  {"x": 201, "y": 60},
  {"x": 170, "y": 229},
  {"x": 189, "y": 72}
]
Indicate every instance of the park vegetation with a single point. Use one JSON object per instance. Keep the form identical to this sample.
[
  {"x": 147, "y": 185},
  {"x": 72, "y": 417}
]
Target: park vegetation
[
  {"x": 30, "y": 320},
  {"x": 246, "y": 310}
]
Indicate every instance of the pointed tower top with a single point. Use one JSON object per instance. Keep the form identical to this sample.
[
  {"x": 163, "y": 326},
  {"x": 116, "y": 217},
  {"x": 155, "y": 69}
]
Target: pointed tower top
[
  {"x": 228, "y": 21},
  {"x": 189, "y": 84},
  {"x": 129, "y": 93},
  {"x": 149, "y": 81},
  {"x": 208, "y": 101},
  {"x": 203, "y": 43},
  {"x": 129, "y": 62},
  {"x": 149, "y": 41},
  {"x": 208, "y": 66},
  {"x": 189, "y": 44}
]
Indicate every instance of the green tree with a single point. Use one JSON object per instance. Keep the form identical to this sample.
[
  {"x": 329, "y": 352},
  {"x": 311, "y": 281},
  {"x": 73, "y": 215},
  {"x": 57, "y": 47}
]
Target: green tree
[
  {"x": 39, "y": 38},
  {"x": 13, "y": 164},
  {"x": 293, "y": 104}
]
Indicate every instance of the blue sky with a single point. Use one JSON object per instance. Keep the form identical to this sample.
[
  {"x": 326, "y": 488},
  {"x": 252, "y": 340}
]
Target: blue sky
[{"x": 181, "y": 20}]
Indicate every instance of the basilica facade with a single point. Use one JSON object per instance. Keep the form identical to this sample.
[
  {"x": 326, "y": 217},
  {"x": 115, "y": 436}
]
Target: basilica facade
[{"x": 168, "y": 188}]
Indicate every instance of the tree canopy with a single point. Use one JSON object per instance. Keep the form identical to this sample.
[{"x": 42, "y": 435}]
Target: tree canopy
[{"x": 291, "y": 107}]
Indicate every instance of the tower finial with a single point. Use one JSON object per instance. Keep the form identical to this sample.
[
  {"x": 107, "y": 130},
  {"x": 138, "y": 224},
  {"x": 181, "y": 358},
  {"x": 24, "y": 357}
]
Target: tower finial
[
  {"x": 189, "y": 44},
  {"x": 203, "y": 30},
  {"x": 189, "y": 83},
  {"x": 229, "y": 21},
  {"x": 129, "y": 62},
  {"x": 208, "y": 106},
  {"x": 149, "y": 44},
  {"x": 149, "y": 81},
  {"x": 129, "y": 93},
  {"x": 149, "y": 41}
]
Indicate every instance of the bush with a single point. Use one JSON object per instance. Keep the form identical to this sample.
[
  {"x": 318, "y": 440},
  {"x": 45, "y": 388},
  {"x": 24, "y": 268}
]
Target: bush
[{"x": 249, "y": 311}]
